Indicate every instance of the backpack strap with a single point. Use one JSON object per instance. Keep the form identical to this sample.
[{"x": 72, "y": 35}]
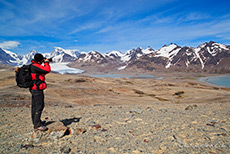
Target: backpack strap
[{"x": 37, "y": 81}]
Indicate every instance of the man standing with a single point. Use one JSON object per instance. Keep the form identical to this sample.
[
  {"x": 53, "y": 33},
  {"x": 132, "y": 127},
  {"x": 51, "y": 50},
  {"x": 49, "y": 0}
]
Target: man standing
[{"x": 38, "y": 72}]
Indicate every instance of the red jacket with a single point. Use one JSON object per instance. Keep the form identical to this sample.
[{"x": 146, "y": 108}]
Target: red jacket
[{"x": 38, "y": 72}]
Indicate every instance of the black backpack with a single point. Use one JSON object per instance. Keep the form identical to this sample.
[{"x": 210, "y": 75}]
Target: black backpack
[{"x": 23, "y": 77}]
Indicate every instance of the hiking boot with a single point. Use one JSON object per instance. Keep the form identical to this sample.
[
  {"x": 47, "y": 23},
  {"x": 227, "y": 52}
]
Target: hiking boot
[{"x": 42, "y": 128}]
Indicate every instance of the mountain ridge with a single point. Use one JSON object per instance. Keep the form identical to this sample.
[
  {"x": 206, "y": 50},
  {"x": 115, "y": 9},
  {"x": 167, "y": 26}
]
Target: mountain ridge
[{"x": 207, "y": 57}]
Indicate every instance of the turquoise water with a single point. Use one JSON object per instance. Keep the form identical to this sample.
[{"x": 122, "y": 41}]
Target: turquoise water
[{"x": 218, "y": 80}]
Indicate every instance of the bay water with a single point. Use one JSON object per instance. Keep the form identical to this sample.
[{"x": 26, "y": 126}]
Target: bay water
[{"x": 218, "y": 80}]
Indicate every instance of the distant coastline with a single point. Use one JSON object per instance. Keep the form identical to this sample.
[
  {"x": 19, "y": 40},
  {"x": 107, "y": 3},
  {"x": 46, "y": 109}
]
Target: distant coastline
[
  {"x": 223, "y": 80},
  {"x": 62, "y": 68}
]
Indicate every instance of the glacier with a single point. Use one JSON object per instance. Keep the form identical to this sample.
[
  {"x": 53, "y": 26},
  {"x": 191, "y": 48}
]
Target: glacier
[{"x": 62, "y": 68}]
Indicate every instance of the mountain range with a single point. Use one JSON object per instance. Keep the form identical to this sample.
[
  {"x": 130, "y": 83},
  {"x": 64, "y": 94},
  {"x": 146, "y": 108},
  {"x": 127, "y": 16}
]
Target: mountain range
[{"x": 209, "y": 57}]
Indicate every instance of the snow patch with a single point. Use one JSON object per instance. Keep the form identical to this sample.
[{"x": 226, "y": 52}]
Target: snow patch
[
  {"x": 147, "y": 51},
  {"x": 221, "y": 46},
  {"x": 187, "y": 62},
  {"x": 196, "y": 50},
  {"x": 126, "y": 58},
  {"x": 168, "y": 65},
  {"x": 87, "y": 58},
  {"x": 122, "y": 67},
  {"x": 167, "y": 51},
  {"x": 13, "y": 55}
]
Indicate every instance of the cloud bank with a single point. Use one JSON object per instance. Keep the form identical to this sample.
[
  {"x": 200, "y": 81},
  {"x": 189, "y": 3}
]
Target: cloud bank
[{"x": 9, "y": 44}]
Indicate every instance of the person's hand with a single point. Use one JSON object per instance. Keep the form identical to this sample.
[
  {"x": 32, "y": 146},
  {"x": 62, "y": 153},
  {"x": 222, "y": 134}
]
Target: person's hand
[
  {"x": 46, "y": 60},
  {"x": 16, "y": 69}
]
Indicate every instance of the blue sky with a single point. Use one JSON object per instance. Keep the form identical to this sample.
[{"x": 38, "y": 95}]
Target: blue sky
[{"x": 106, "y": 25}]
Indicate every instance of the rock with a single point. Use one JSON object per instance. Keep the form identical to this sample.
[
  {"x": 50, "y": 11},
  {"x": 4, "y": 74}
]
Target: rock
[
  {"x": 75, "y": 150},
  {"x": 213, "y": 121},
  {"x": 190, "y": 107},
  {"x": 138, "y": 119},
  {"x": 137, "y": 111},
  {"x": 179, "y": 93},
  {"x": 149, "y": 109},
  {"x": 146, "y": 141},
  {"x": 96, "y": 126},
  {"x": 79, "y": 131},
  {"x": 211, "y": 124},
  {"x": 35, "y": 136},
  {"x": 57, "y": 126},
  {"x": 136, "y": 152},
  {"x": 104, "y": 130},
  {"x": 27, "y": 146},
  {"x": 222, "y": 134},
  {"x": 57, "y": 130},
  {"x": 178, "y": 139},
  {"x": 223, "y": 121},
  {"x": 68, "y": 106},
  {"x": 97, "y": 105},
  {"x": 163, "y": 110},
  {"x": 112, "y": 150},
  {"x": 65, "y": 149}
]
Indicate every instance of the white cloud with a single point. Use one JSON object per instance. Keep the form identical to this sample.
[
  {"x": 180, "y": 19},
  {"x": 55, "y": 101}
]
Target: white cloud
[
  {"x": 87, "y": 26},
  {"x": 9, "y": 44}
]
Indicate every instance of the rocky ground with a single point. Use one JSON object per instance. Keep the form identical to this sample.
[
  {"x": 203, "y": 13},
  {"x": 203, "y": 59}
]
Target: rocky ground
[{"x": 102, "y": 115}]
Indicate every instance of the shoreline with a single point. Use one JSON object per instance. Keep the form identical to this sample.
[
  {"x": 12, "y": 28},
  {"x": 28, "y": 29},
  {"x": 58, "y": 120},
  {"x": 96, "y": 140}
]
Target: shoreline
[
  {"x": 206, "y": 80},
  {"x": 158, "y": 75}
]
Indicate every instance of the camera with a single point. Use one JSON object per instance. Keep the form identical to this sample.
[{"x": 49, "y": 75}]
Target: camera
[{"x": 50, "y": 59}]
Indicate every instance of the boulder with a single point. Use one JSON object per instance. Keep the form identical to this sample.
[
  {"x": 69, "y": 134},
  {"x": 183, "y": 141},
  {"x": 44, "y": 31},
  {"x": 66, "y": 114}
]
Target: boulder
[{"x": 57, "y": 130}]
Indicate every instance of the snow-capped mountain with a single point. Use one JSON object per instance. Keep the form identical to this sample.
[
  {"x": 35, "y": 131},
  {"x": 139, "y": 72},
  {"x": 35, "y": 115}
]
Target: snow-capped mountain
[
  {"x": 207, "y": 57},
  {"x": 10, "y": 58},
  {"x": 134, "y": 54},
  {"x": 204, "y": 56},
  {"x": 63, "y": 55},
  {"x": 168, "y": 52},
  {"x": 58, "y": 55},
  {"x": 95, "y": 61},
  {"x": 26, "y": 59},
  {"x": 114, "y": 54},
  {"x": 96, "y": 57},
  {"x": 92, "y": 57},
  {"x": 6, "y": 57}
]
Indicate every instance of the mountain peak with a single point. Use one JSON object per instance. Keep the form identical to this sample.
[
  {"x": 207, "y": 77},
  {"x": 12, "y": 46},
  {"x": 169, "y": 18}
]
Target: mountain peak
[
  {"x": 64, "y": 55},
  {"x": 33, "y": 51},
  {"x": 211, "y": 42},
  {"x": 58, "y": 48},
  {"x": 94, "y": 52},
  {"x": 114, "y": 54},
  {"x": 148, "y": 50}
]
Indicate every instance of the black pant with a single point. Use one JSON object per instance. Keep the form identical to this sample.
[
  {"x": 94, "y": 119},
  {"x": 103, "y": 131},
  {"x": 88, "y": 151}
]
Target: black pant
[{"x": 37, "y": 107}]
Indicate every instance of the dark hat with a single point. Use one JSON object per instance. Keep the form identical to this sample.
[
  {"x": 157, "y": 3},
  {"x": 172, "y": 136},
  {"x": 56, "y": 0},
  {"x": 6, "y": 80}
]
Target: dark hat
[{"x": 38, "y": 57}]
